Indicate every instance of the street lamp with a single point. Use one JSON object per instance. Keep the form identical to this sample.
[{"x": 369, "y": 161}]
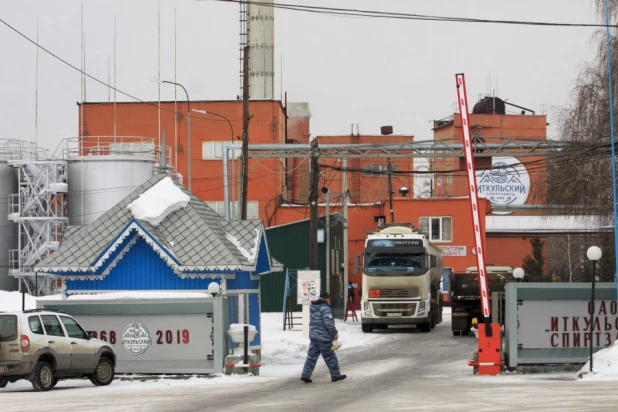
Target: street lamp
[
  {"x": 231, "y": 140},
  {"x": 594, "y": 254},
  {"x": 518, "y": 274},
  {"x": 188, "y": 132},
  {"x": 219, "y": 115}
]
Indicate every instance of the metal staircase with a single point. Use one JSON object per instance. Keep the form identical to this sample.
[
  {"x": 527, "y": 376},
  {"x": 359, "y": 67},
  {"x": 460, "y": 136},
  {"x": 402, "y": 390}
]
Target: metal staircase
[{"x": 40, "y": 211}]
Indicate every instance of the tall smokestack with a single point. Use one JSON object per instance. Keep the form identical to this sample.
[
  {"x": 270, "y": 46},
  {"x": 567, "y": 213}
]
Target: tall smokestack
[{"x": 261, "y": 37}]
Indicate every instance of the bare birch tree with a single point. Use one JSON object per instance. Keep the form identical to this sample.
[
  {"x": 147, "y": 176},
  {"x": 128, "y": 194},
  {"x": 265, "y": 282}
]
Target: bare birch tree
[{"x": 580, "y": 179}]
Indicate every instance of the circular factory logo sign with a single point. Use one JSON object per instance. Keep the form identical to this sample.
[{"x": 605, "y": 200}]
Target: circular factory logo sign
[
  {"x": 507, "y": 183},
  {"x": 136, "y": 338}
]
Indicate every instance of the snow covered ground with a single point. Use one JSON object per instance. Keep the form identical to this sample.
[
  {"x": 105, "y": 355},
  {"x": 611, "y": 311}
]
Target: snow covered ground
[{"x": 283, "y": 355}]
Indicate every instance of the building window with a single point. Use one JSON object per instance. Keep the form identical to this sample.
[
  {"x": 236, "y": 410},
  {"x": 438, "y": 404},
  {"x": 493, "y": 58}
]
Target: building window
[
  {"x": 219, "y": 207},
  {"x": 439, "y": 229},
  {"x": 439, "y": 181},
  {"x": 449, "y": 179},
  {"x": 214, "y": 151},
  {"x": 377, "y": 170}
]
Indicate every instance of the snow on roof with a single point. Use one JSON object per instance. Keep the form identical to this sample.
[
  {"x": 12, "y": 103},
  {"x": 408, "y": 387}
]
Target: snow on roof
[
  {"x": 248, "y": 254},
  {"x": 159, "y": 201},
  {"x": 530, "y": 224},
  {"x": 140, "y": 295}
]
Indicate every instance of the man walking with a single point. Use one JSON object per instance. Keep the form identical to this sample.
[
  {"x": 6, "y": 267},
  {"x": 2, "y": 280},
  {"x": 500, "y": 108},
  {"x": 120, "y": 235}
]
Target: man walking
[{"x": 322, "y": 332}]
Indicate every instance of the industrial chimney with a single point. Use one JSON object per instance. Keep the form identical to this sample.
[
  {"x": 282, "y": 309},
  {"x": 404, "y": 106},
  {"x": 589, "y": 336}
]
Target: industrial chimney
[{"x": 261, "y": 39}]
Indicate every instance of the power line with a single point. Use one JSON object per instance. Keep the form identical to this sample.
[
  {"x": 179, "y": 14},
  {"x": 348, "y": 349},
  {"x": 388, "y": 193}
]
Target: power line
[
  {"x": 154, "y": 105},
  {"x": 345, "y": 12}
]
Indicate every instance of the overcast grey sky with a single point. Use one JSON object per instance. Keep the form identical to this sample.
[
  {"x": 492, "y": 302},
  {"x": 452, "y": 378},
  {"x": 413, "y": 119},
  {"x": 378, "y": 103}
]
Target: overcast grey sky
[{"x": 351, "y": 70}]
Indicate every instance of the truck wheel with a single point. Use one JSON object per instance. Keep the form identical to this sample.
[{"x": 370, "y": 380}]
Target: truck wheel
[
  {"x": 43, "y": 377},
  {"x": 456, "y": 333},
  {"x": 3, "y": 383},
  {"x": 425, "y": 327},
  {"x": 465, "y": 332},
  {"x": 367, "y": 328},
  {"x": 104, "y": 373}
]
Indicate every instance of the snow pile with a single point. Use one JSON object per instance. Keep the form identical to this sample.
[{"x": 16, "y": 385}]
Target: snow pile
[
  {"x": 140, "y": 295},
  {"x": 239, "y": 327},
  {"x": 248, "y": 254},
  {"x": 159, "y": 201},
  {"x": 11, "y": 301},
  {"x": 605, "y": 366}
]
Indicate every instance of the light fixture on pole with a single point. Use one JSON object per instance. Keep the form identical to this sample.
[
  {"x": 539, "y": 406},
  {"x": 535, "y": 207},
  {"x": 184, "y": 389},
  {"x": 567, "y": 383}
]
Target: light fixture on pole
[
  {"x": 594, "y": 254},
  {"x": 188, "y": 133},
  {"x": 214, "y": 289},
  {"x": 403, "y": 191},
  {"x": 518, "y": 274}
]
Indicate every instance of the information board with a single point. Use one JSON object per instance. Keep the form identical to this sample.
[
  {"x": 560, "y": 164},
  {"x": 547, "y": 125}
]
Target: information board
[
  {"x": 308, "y": 287},
  {"x": 185, "y": 341},
  {"x": 566, "y": 324}
]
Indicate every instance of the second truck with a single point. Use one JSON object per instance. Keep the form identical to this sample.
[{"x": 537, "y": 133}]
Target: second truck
[{"x": 465, "y": 297}]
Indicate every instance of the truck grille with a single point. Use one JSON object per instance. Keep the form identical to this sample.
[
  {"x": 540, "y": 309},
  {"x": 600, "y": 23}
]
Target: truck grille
[
  {"x": 383, "y": 309},
  {"x": 399, "y": 293}
]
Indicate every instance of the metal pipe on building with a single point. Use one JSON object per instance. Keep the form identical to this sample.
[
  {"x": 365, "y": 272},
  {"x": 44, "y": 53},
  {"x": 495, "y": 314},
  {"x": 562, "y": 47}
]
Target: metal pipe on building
[
  {"x": 345, "y": 232},
  {"x": 421, "y": 145},
  {"x": 226, "y": 189},
  {"x": 188, "y": 133},
  {"x": 396, "y": 150}
]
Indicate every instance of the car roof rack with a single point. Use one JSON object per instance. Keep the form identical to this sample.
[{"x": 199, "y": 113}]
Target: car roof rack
[{"x": 42, "y": 310}]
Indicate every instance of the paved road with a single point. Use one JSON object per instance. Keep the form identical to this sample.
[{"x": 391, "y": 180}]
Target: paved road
[{"x": 411, "y": 371}]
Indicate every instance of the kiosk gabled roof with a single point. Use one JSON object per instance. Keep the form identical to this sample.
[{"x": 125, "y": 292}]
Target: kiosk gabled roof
[{"x": 195, "y": 235}]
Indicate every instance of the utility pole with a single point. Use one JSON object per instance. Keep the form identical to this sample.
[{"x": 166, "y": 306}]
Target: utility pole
[
  {"x": 245, "y": 134},
  {"x": 390, "y": 190},
  {"x": 327, "y": 235},
  {"x": 313, "y": 206}
]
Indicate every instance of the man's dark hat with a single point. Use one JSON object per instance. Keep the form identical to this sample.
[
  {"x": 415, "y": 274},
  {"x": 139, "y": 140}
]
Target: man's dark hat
[{"x": 324, "y": 295}]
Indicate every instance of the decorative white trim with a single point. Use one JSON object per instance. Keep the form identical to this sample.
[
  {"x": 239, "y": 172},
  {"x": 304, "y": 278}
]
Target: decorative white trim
[
  {"x": 64, "y": 289},
  {"x": 183, "y": 275},
  {"x": 181, "y": 270},
  {"x": 119, "y": 257},
  {"x": 167, "y": 255}
]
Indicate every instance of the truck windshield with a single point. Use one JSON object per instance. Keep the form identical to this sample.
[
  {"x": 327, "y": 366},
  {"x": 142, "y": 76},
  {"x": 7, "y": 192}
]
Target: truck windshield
[
  {"x": 8, "y": 328},
  {"x": 394, "y": 264}
]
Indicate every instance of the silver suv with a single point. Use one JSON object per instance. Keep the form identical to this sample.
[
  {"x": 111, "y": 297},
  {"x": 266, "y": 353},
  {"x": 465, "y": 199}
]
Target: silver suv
[{"x": 44, "y": 346}]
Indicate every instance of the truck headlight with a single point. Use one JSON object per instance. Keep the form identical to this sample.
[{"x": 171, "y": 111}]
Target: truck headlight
[
  {"x": 366, "y": 307},
  {"x": 421, "y": 306}
]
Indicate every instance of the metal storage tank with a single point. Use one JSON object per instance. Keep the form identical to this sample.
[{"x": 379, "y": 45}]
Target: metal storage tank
[
  {"x": 8, "y": 229},
  {"x": 104, "y": 170}
]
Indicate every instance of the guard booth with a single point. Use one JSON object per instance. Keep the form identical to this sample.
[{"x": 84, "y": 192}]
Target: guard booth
[
  {"x": 163, "y": 239},
  {"x": 156, "y": 334}
]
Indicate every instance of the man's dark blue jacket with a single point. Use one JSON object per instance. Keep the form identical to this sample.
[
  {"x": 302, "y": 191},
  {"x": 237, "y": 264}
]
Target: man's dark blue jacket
[{"x": 321, "y": 324}]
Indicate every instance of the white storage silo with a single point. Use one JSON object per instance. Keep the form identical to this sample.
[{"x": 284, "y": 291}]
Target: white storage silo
[{"x": 103, "y": 173}]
